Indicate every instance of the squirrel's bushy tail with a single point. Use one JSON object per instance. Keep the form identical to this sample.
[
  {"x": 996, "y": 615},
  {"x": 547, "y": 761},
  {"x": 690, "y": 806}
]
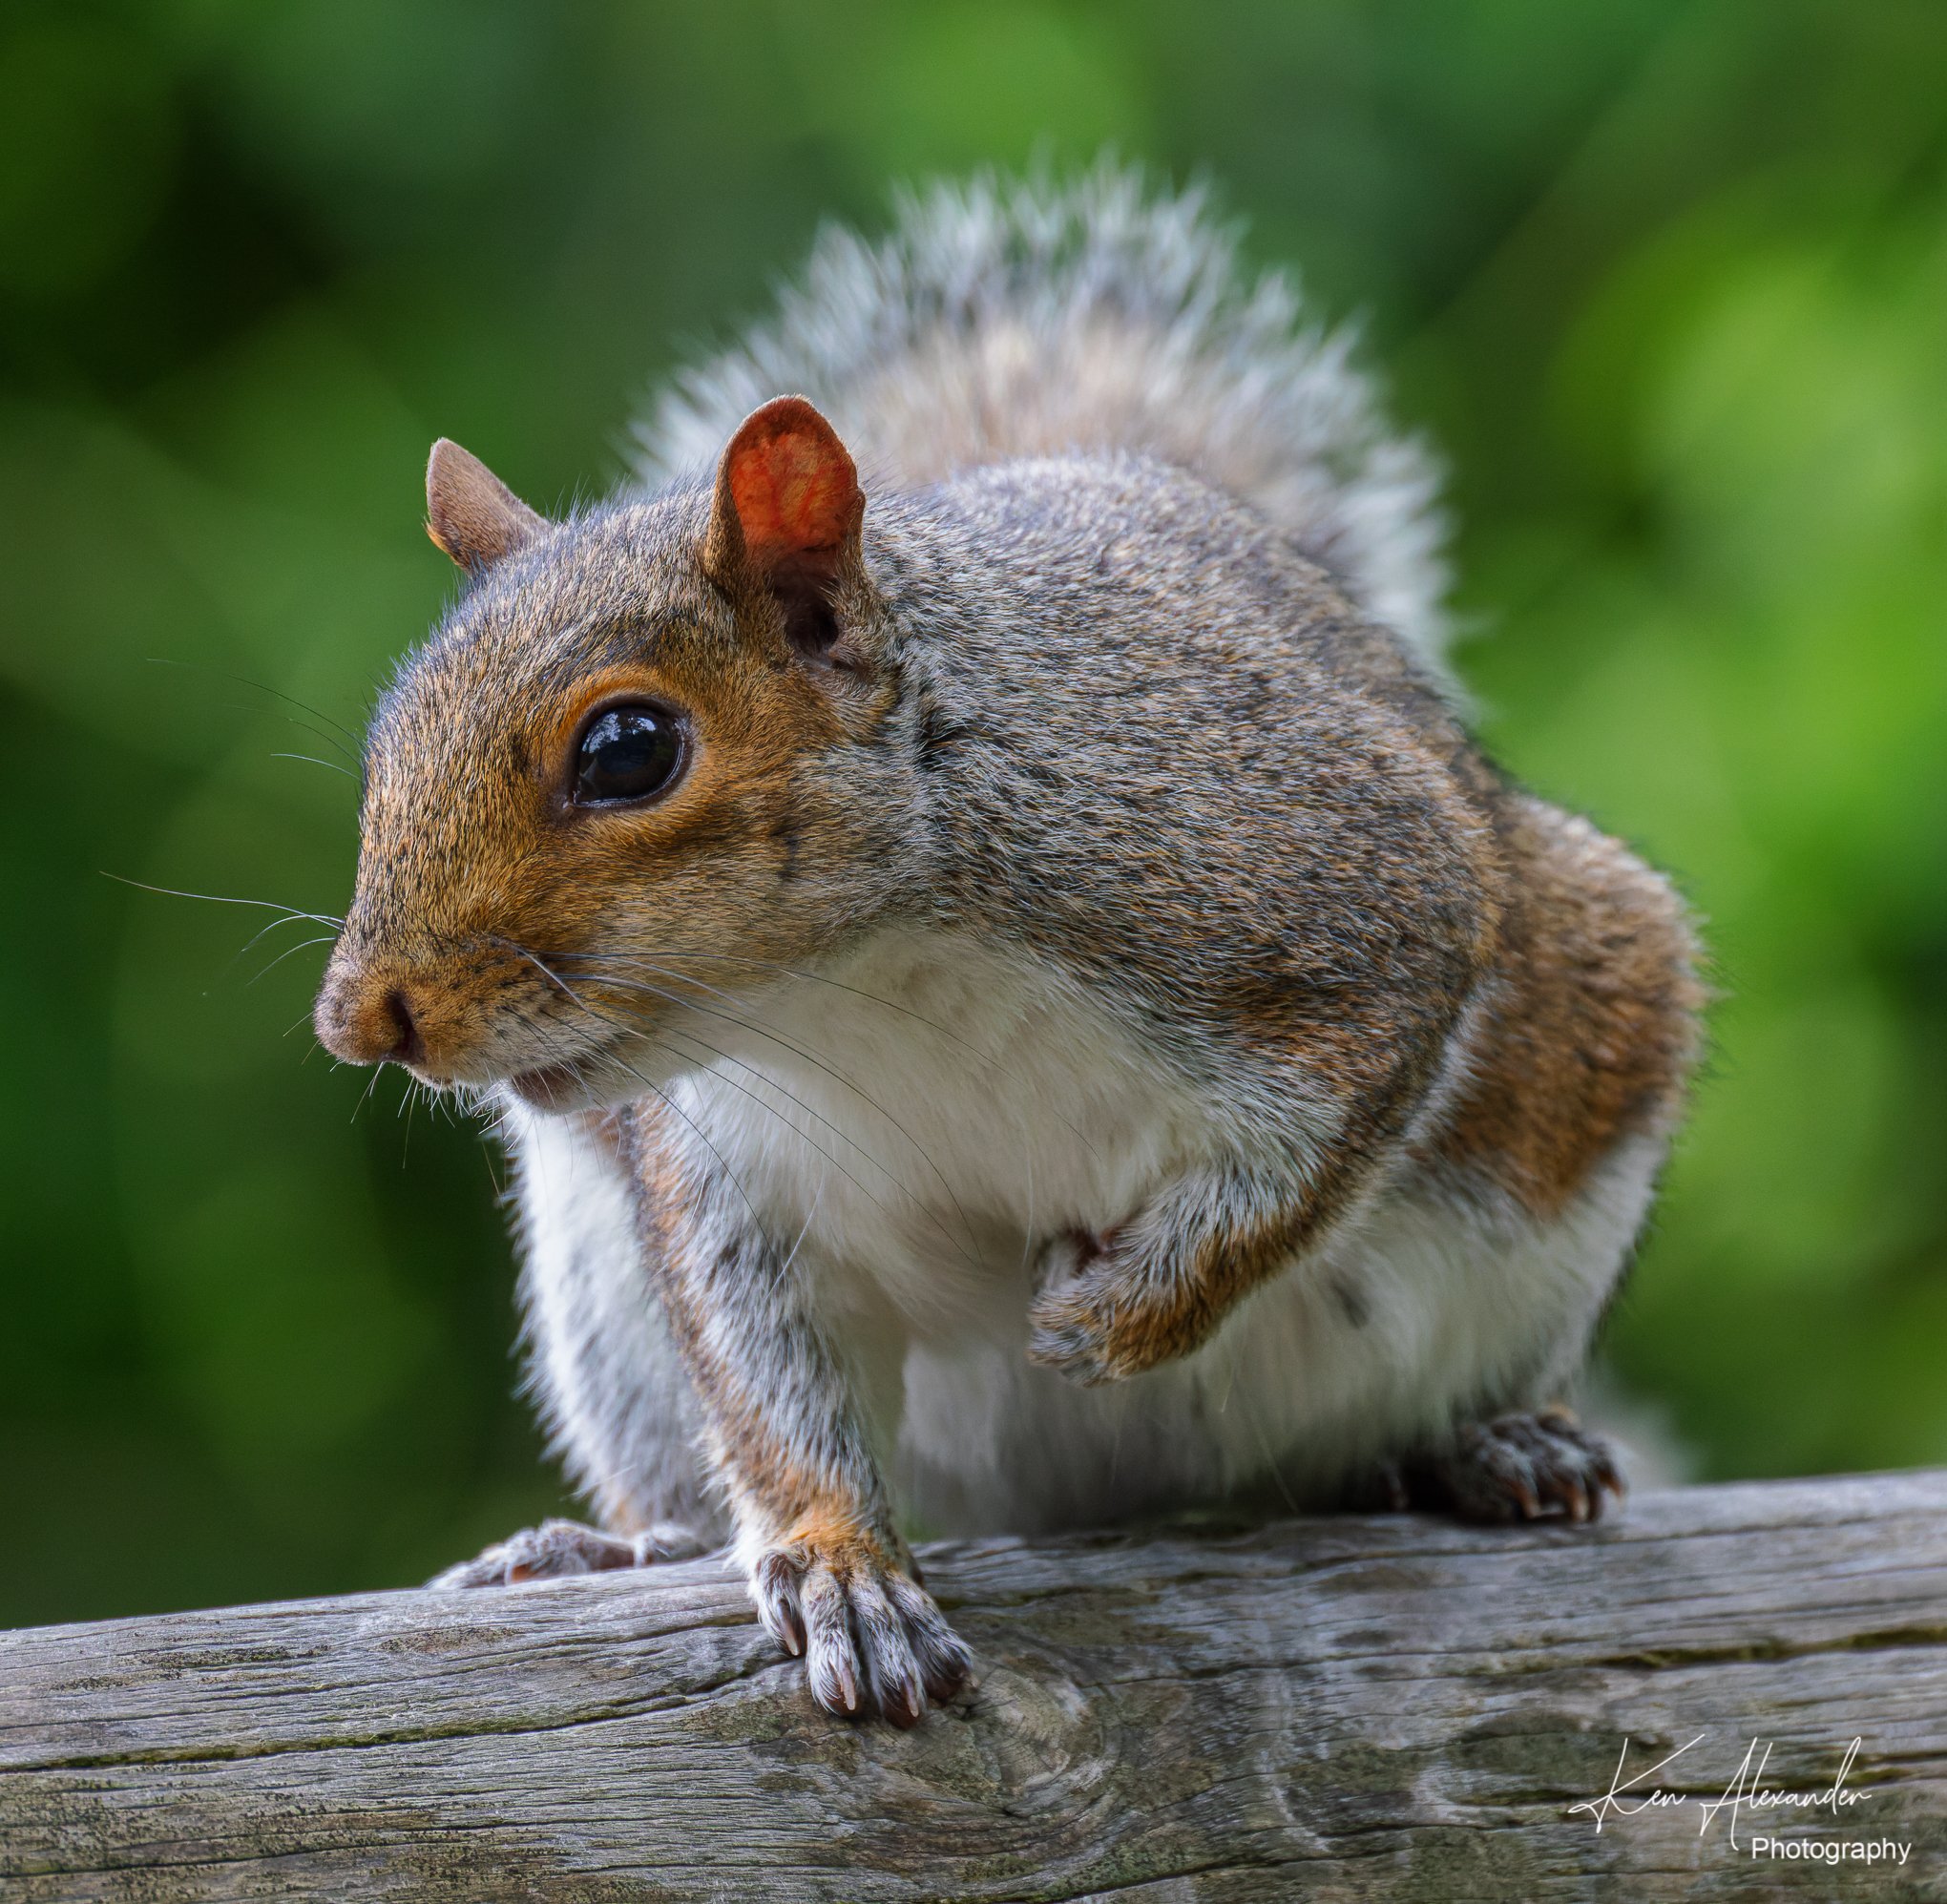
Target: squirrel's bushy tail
[{"x": 1001, "y": 320}]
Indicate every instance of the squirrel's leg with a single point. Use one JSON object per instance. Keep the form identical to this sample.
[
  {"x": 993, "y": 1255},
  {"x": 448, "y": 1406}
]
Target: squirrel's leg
[
  {"x": 611, "y": 1386},
  {"x": 1115, "y": 1302},
  {"x": 831, "y": 1578},
  {"x": 1154, "y": 1286}
]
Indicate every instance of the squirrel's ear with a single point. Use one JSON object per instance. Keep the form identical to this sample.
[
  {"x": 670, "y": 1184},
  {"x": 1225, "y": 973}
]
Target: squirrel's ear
[
  {"x": 471, "y": 512},
  {"x": 787, "y": 516}
]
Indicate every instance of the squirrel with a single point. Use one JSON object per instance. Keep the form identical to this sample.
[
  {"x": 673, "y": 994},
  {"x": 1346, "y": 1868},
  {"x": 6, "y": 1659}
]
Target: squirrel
[{"x": 1014, "y": 998}]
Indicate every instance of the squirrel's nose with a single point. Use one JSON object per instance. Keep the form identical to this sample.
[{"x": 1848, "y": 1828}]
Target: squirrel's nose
[{"x": 364, "y": 1019}]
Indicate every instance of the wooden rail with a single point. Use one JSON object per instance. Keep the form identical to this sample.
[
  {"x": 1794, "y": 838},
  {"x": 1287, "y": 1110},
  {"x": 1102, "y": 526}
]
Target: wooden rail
[{"x": 1341, "y": 1708}]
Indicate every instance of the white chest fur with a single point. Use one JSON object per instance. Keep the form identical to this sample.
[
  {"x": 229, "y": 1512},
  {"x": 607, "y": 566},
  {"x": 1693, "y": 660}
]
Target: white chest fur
[
  {"x": 910, "y": 1127},
  {"x": 922, "y": 1118}
]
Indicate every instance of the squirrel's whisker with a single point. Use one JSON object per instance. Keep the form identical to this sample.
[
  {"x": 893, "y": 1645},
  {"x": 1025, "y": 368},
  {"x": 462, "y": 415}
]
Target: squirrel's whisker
[
  {"x": 932, "y": 1216},
  {"x": 837, "y": 985},
  {"x": 764, "y": 1031},
  {"x": 349, "y": 751},
  {"x": 250, "y": 944},
  {"x": 302, "y": 944},
  {"x": 330, "y": 766},
  {"x": 364, "y": 1096},
  {"x": 665, "y": 1037},
  {"x": 542, "y": 966},
  {"x": 730, "y": 1058},
  {"x": 330, "y": 919},
  {"x": 406, "y": 1104}
]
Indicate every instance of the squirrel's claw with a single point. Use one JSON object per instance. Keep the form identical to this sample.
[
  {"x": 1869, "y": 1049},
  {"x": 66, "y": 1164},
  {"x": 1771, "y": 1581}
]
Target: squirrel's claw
[
  {"x": 1520, "y": 1467},
  {"x": 871, "y": 1639},
  {"x": 557, "y": 1549}
]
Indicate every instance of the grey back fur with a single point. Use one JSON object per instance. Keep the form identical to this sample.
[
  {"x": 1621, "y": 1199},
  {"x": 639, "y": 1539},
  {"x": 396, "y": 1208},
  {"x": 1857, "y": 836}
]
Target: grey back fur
[{"x": 1000, "y": 319}]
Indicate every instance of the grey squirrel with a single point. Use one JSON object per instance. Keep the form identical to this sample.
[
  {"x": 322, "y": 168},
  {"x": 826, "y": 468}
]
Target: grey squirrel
[{"x": 1015, "y": 999}]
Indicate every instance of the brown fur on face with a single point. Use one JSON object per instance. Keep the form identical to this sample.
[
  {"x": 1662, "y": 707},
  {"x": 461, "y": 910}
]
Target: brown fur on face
[{"x": 508, "y": 924}]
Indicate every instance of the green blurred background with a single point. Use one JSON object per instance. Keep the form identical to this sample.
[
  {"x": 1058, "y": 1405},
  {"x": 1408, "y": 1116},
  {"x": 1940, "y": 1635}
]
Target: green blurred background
[{"x": 1667, "y": 283}]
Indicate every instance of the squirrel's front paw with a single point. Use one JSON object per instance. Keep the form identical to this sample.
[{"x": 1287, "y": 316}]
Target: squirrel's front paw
[
  {"x": 870, "y": 1638},
  {"x": 1095, "y": 1319},
  {"x": 558, "y": 1548}
]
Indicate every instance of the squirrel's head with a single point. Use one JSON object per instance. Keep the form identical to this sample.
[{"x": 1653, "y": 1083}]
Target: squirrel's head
[{"x": 625, "y": 777}]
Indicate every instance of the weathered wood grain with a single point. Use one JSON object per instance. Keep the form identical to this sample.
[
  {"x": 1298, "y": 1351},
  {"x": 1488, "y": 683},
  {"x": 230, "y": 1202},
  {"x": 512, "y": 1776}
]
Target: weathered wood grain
[{"x": 1342, "y": 1708}]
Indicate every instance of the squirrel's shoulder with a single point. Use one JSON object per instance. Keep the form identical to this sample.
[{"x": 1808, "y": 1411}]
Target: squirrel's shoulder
[
  {"x": 1080, "y": 504},
  {"x": 1048, "y": 562},
  {"x": 1119, "y": 534}
]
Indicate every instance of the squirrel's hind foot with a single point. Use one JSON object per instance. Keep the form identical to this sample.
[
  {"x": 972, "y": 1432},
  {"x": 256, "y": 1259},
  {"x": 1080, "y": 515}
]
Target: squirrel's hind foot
[
  {"x": 1538, "y": 1466},
  {"x": 557, "y": 1549}
]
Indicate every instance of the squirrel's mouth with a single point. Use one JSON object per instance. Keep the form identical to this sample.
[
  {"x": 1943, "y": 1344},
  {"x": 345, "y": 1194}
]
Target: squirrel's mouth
[{"x": 564, "y": 1086}]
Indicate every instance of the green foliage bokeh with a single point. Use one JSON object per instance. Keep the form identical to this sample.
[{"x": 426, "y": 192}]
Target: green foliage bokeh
[{"x": 1666, "y": 282}]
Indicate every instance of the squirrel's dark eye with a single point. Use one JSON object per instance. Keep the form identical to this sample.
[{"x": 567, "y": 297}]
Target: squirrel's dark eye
[{"x": 628, "y": 753}]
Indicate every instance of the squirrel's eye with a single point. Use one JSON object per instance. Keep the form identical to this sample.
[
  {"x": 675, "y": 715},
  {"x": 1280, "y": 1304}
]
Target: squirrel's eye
[{"x": 628, "y": 753}]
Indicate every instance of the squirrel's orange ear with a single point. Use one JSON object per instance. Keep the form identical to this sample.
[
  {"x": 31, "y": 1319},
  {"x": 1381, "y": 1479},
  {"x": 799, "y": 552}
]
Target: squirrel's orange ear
[
  {"x": 786, "y": 515},
  {"x": 471, "y": 512}
]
